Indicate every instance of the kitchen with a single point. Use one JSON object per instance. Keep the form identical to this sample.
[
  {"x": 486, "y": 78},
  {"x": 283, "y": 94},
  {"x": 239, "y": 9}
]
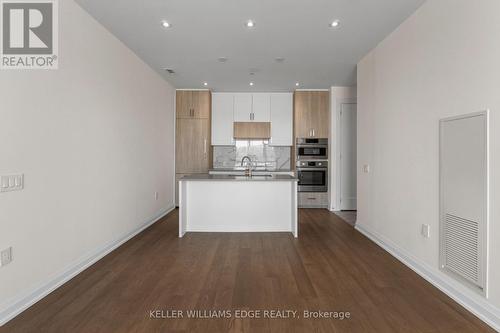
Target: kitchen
[{"x": 238, "y": 151}]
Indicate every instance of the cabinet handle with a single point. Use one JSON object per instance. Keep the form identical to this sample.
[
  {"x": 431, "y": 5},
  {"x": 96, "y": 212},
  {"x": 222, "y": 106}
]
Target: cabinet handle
[
  {"x": 205, "y": 146},
  {"x": 314, "y": 132}
]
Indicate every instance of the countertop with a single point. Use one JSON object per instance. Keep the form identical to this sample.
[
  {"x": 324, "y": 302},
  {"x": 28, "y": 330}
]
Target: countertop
[
  {"x": 238, "y": 169},
  {"x": 207, "y": 177}
]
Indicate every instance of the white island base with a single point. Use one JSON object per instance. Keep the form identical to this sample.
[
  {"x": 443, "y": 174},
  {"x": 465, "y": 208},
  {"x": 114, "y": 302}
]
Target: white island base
[{"x": 211, "y": 203}]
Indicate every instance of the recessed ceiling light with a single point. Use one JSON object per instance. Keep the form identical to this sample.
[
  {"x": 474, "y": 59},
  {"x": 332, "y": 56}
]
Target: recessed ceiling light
[
  {"x": 250, "y": 24},
  {"x": 251, "y": 83},
  {"x": 205, "y": 84},
  {"x": 334, "y": 24},
  {"x": 222, "y": 59},
  {"x": 297, "y": 84},
  {"x": 165, "y": 24}
]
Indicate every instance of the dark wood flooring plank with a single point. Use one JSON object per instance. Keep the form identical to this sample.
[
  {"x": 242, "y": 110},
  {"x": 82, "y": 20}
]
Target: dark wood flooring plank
[{"x": 331, "y": 267}]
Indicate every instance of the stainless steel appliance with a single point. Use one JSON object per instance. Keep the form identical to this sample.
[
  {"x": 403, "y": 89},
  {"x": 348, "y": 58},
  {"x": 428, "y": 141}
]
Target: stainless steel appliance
[
  {"x": 312, "y": 149},
  {"x": 313, "y": 176}
]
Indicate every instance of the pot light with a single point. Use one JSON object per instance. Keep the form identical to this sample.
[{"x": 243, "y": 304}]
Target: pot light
[
  {"x": 205, "y": 84},
  {"x": 297, "y": 84},
  {"x": 334, "y": 24},
  {"x": 251, "y": 83},
  {"x": 165, "y": 24},
  {"x": 250, "y": 24}
]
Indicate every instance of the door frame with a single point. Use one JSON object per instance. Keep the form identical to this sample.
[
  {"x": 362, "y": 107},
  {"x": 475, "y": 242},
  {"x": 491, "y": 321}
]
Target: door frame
[
  {"x": 340, "y": 153},
  {"x": 337, "y": 148}
]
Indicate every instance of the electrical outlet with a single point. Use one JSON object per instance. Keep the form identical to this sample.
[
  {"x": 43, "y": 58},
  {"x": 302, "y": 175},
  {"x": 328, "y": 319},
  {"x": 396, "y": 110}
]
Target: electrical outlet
[
  {"x": 366, "y": 168},
  {"x": 156, "y": 195},
  {"x": 6, "y": 256},
  {"x": 11, "y": 183},
  {"x": 426, "y": 230}
]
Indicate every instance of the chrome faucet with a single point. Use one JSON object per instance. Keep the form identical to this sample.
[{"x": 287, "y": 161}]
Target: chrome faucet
[{"x": 248, "y": 169}]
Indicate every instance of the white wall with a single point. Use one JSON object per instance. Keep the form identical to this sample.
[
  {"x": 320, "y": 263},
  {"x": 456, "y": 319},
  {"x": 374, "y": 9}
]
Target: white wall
[
  {"x": 443, "y": 61},
  {"x": 338, "y": 95},
  {"x": 95, "y": 140}
]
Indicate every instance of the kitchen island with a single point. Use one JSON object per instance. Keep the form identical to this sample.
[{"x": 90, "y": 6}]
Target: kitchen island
[{"x": 226, "y": 203}]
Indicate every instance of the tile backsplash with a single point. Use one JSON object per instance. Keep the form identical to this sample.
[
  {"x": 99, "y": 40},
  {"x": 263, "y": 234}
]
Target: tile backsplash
[{"x": 260, "y": 152}]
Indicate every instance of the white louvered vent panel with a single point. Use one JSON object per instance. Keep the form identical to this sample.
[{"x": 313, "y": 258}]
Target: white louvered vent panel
[
  {"x": 464, "y": 197},
  {"x": 461, "y": 246}
]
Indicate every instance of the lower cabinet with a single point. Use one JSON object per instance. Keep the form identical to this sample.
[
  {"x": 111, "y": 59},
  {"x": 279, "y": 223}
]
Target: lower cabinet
[
  {"x": 313, "y": 199},
  {"x": 178, "y": 176}
]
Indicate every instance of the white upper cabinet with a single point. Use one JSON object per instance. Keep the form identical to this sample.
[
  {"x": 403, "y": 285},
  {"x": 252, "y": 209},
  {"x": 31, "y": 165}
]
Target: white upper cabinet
[
  {"x": 252, "y": 107},
  {"x": 261, "y": 107},
  {"x": 276, "y": 108},
  {"x": 281, "y": 106},
  {"x": 222, "y": 119},
  {"x": 243, "y": 107}
]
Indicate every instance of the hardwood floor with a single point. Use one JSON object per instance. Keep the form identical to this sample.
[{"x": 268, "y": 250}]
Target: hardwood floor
[
  {"x": 348, "y": 216},
  {"x": 331, "y": 267}
]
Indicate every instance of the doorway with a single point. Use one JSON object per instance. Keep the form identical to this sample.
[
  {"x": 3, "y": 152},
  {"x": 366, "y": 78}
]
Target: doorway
[{"x": 348, "y": 156}]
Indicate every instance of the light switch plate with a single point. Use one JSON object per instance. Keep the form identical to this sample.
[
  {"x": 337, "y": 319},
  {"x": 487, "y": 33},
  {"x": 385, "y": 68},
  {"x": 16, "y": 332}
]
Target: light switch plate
[
  {"x": 426, "y": 230},
  {"x": 366, "y": 168},
  {"x": 10, "y": 183},
  {"x": 6, "y": 256}
]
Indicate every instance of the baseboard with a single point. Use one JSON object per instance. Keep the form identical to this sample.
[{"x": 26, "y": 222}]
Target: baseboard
[
  {"x": 483, "y": 310},
  {"x": 23, "y": 302}
]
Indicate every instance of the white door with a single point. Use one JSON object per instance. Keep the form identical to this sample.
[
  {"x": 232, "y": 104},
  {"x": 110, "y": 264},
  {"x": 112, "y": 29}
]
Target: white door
[
  {"x": 261, "y": 107},
  {"x": 222, "y": 119},
  {"x": 242, "y": 107},
  {"x": 348, "y": 128},
  {"x": 281, "y": 119}
]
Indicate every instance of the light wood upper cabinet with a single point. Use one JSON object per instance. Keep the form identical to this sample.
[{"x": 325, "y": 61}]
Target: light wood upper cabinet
[
  {"x": 320, "y": 114},
  {"x": 183, "y": 104},
  {"x": 200, "y": 102},
  {"x": 281, "y": 119},
  {"x": 192, "y": 145},
  {"x": 193, "y": 104},
  {"x": 222, "y": 119},
  {"x": 302, "y": 114},
  {"x": 252, "y": 130},
  {"x": 312, "y": 114}
]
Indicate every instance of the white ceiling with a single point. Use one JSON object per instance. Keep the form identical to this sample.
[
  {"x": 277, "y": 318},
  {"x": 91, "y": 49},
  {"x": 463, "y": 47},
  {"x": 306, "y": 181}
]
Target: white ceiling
[{"x": 315, "y": 55}]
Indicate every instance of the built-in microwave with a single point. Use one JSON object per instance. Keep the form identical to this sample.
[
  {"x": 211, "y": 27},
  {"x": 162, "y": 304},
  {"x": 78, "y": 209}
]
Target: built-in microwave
[
  {"x": 312, "y": 149},
  {"x": 312, "y": 176}
]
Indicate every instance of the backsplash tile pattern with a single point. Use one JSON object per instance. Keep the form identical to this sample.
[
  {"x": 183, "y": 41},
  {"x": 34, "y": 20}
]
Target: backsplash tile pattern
[{"x": 275, "y": 158}]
